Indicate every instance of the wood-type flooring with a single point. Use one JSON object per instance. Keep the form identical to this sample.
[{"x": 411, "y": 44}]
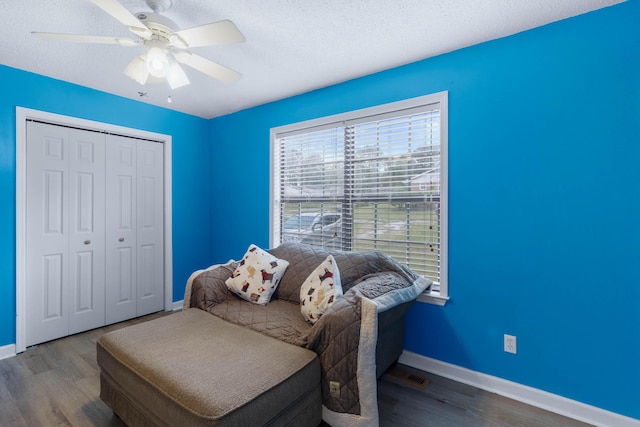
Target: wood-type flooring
[{"x": 57, "y": 384}]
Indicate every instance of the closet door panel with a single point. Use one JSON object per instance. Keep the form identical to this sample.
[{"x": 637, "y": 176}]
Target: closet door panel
[
  {"x": 121, "y": 225},
  {"x": 87, "y": 230},
  {"x": 147, "y": 266},
  {"x": 150, "y": 227},
  {"x": 52, "y": 290},
  {"x": 46, "y": 233}
]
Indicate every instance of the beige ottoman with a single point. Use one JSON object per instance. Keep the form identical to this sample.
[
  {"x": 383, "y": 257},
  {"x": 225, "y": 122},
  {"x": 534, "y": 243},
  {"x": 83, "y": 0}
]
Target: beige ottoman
[{"x": 192, "y": 368}]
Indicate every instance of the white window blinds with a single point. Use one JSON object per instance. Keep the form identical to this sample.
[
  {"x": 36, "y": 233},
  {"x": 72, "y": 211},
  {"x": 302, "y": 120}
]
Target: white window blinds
[{"x": 366, "y": 182}]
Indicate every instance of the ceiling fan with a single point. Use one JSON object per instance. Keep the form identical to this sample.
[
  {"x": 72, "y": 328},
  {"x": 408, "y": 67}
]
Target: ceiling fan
[{"x": 165, "y": 45}]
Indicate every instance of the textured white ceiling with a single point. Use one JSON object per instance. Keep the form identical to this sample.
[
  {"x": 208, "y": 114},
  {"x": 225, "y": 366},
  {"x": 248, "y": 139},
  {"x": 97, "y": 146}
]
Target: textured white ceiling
[{"x": 292, "y": 47}]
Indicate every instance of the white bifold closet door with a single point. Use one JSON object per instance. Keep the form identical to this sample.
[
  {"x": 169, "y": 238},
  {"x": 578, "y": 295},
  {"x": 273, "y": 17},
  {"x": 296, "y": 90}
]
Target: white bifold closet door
[
  {"x": 135, "y": 218},
  {"x": 65, "y": 231},
  {"x": 94, "y": 230}
]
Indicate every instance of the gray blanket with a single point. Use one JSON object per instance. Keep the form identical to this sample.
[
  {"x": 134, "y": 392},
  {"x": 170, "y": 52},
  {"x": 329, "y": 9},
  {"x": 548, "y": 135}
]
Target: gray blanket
[{"x": 345, "y": 338}]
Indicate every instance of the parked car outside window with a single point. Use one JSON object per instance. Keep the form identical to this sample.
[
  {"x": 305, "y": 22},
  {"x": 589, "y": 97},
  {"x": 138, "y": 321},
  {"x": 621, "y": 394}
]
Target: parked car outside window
[{"x": 314, "y": 228}]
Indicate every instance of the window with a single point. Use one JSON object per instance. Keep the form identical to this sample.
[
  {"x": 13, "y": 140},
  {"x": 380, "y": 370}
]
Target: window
[{"x": 368, "y": 179}]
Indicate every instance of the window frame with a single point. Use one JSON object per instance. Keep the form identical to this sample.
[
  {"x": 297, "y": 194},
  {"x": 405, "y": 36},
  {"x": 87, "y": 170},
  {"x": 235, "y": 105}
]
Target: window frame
[{"x": 440, "y": 98}]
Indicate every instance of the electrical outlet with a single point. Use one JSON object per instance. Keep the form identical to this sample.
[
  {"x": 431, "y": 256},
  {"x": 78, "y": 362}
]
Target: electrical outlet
[
  {"x": 334, "y": 388},
  {"x": 510, "y": 344}
]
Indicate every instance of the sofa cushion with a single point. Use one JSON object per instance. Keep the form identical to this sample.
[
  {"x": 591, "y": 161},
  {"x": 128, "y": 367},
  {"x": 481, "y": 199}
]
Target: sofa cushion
[
  {"x": 256, "y": 276},
  {"x": 320, "y": 290},
  {"x": 303, "y": 260},
  {"x": 278, "y": 319}
]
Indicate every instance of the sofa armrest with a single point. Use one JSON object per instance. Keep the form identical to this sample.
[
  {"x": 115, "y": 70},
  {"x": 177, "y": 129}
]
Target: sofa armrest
[
  {"x": 208, "y": 288},
  {"x": 376, "y": 285},
  {"x": 335, "y": 339},
  {"x": 346, "y": 337}
]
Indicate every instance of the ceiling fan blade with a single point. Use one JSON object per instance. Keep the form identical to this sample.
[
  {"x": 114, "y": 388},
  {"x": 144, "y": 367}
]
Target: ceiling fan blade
[
  {"x": 210, "y": 68},
  {"x": 216, "y": 33},
  {"x": 118, "y": 11},
  {"x": 78, "y": 38}
]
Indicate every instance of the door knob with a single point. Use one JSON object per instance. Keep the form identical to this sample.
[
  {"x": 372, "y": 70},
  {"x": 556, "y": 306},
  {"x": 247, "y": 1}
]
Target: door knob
[
  {"x": 86, "y": 242},
  {"x": 121, "y": 239}
]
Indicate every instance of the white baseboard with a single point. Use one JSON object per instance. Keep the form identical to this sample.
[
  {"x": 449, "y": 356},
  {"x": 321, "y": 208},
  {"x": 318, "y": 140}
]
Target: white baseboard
[
  {"x": 10, "y": 350},
  {"x": 7, "y": 351},
  {"x": 532, "y": 396}
]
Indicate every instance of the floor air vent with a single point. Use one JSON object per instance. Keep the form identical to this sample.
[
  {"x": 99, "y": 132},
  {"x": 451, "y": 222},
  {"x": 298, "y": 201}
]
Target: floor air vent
[{"x": 411, "y": 378}]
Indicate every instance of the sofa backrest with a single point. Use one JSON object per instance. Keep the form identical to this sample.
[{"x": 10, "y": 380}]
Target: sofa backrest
[{"x": 303, "y": 259}]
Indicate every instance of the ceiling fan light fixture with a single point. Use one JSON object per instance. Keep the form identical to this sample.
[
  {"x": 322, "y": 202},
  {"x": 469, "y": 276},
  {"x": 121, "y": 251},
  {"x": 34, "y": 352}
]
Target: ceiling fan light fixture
[
  {"x": 157, "y": 61},
  {"x": 176, "y": 77},
  {"x": 137, "y": 70}
]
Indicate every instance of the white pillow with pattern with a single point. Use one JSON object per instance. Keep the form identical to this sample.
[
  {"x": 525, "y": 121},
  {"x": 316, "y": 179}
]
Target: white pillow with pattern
[
  {"x": 257, "y": 276},
  {"x": 320, "y": 290}
]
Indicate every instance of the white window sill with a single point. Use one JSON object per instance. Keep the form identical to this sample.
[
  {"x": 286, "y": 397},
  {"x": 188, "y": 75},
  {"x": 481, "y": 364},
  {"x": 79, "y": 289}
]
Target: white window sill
[{"x": 433, "y": 298}]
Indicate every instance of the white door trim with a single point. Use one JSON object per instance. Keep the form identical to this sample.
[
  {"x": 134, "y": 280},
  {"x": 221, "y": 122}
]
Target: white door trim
[{"x": 24, "y": 114}]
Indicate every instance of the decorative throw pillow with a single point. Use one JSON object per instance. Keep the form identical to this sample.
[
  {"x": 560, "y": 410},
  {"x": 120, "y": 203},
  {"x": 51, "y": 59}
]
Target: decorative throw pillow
[
  {"x": 257, "y": 276},
  {"x": 320, "y": 290}
]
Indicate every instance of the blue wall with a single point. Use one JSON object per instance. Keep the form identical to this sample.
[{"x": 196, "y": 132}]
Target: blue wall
[
  {"x": 191, "y": 154},
  {"x": 544, "y": 140}
]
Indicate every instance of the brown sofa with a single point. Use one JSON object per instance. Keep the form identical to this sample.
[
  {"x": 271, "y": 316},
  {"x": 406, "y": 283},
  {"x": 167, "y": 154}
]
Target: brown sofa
[
  {"x": 224, "y": 361},
  {"x": 356, "y": 340}
]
